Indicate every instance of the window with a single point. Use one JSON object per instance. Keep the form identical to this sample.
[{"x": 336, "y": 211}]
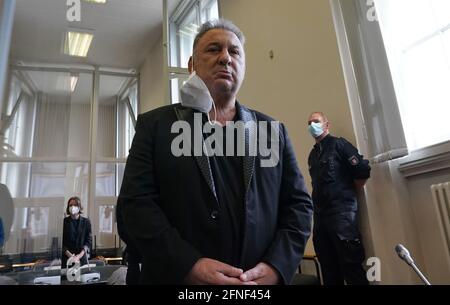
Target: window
[
  {"x": 45, "y": 156},
  {"x": 373, "y": 101},
  {"x": 416, "y": 35},
  {"x": 106, "y": 213},
  {"x": 209, "y": 10},
  {"x": 130, "y": 114},
  {"x": 186, "y": 31},
  {"x": 184, "y": 23},
  {"x": 20, "y": 113},
  {"x": 38, "y": 221},
  {"x": 66, "y": 122}
]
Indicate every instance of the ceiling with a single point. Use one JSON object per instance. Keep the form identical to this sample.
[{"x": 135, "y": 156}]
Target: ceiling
[
  {"x": 124, "y": 31},
  {"x": 57, "y": 85}
]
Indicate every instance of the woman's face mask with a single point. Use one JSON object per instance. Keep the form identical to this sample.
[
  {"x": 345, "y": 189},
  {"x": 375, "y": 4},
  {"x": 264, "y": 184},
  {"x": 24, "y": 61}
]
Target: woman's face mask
[
  {"x": 315, "y": 129},
  {"x": 74, "y": 210}
]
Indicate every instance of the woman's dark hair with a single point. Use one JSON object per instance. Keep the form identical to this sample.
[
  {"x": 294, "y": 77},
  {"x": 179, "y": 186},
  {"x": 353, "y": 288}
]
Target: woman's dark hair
[{"x": 77, "y": 200}]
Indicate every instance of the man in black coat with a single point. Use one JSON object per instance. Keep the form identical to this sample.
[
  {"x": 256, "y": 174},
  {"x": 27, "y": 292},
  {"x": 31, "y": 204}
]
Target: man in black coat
[
  {"x": 131, "y": 255},
  {"x": 199, "y": 218}
]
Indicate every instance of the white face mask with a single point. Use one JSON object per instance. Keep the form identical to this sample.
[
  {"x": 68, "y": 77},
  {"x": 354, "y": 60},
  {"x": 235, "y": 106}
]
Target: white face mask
[
  {"x": 194, "y": 94},
  {"x": 74, "y": 210}
]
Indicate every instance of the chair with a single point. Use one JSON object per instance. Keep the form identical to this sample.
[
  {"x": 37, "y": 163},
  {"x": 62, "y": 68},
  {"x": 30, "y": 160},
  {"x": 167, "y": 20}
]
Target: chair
[
  {"x": 6, "y": 280},
  {"x": 302, "y": 278},
  {"x": 98, "y": 261},
  {"x": 105, "y": 271},
  {"x": 41, "y": 265},
  {"x": 119, "y": 276}
]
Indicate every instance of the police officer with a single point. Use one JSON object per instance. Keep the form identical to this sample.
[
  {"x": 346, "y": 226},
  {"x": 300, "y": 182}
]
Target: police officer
[{"x": 337, "y": 172}]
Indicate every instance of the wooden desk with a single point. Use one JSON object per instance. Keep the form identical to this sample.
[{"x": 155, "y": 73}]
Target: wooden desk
[
  {"x": 112, "y": 259},
  {"x": 23, "y": 265}
]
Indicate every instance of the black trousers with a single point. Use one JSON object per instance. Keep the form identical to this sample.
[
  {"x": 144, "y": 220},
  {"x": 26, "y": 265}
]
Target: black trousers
[
  {"x": 338, "y": 245},
  {"x": 133, "y": 259}
]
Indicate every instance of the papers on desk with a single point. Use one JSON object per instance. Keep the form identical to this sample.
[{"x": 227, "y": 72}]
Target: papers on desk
[
  {"x": 48, "y": 280},
  {"x": 90, "y": 277},
  {"x": 88, "y": 266},
  {"x": 52, "y": 268}
]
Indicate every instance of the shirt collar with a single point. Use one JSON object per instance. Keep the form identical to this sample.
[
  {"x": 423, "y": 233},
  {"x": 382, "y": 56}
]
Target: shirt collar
[{"x": 322, "y": 143}]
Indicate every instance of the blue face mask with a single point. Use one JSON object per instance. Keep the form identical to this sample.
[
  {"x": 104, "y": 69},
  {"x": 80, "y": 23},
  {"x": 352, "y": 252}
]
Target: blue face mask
[{"x": 315, "y": 129}]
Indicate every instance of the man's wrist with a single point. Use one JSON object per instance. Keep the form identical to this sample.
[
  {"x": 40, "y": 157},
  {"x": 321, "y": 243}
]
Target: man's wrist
[{"x": 276, "y": 273}]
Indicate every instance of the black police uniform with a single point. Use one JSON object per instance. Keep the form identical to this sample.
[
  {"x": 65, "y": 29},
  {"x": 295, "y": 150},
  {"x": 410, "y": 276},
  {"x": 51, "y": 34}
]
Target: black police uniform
[{"x": 334, "y": 164}]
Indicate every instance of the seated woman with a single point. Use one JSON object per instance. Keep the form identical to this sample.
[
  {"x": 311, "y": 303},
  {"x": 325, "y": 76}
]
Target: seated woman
[{"x": 77, "y": 234}]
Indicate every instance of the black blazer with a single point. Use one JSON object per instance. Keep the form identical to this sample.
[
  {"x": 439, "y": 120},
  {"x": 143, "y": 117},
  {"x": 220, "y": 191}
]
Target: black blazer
[
  {"x": 170, "y": 207},
  {"x": 84, "y": 239}
]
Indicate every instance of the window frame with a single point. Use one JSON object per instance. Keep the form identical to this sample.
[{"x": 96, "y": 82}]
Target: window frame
[
  {"x": 432, "y": 34},
  {"x": 92, "y": 201},
  {"x": 378, "y": 127},
  {"x": 363, "y": 81},
  {"x": 171, "y": 41}
]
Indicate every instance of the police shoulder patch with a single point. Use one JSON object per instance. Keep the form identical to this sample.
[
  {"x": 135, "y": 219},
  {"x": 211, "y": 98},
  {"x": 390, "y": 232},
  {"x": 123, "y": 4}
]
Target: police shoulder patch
[{"x": 353, "y": 160}]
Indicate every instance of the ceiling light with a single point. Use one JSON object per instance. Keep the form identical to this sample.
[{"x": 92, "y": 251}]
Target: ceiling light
[
  {"x": 77, "y": 43},
  {"x": 65, "y": 82}
]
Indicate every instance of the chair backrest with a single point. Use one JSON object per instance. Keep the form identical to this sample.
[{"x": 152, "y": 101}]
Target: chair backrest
[
  {"x": 97, "y": 262},
  {"x": 119, "y": 276},
  {"x": 308, "y": 272},
  {"x": 40, "y": 266},
  {"x": 6, "y": 280}
]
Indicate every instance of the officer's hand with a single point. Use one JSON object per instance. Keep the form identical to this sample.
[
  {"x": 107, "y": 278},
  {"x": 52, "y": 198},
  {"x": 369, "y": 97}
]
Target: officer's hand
[
  {"x": 262, "y": 274},
  {"x": 208, "y": 271}
]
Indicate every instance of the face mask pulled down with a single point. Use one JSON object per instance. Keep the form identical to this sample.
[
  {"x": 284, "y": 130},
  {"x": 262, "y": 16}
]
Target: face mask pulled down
[{"x": 194, "y": 94}]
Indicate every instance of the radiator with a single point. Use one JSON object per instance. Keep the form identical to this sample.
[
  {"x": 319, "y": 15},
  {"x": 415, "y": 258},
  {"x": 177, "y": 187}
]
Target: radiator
[{"x": 441, "y": 200}]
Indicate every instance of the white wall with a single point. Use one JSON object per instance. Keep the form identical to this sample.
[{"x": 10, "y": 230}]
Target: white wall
[
  {"x": 401, "y": 210},
  {"x": 418, "y": 172},
  {"x": 435, "y": 259},
  {"x": 390, "y": 222},
  {"x": 152, "y": 83}
]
